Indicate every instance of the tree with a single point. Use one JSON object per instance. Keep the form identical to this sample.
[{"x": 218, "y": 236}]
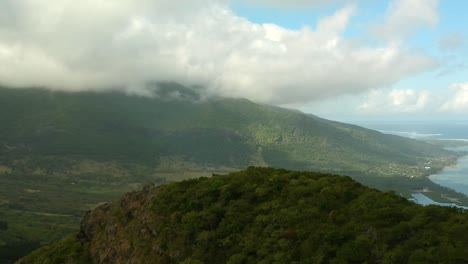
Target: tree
[{"x": 3, "y": 226}]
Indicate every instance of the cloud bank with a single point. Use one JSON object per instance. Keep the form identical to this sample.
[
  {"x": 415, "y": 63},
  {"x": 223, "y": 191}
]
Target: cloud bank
[
  {"x": 397, "y": 101},
  {"x": 458, "y": 102},
  {"x": 412, "y": 101},
  {"x": 97, "y": 44},
  {"x": 290, "y": 3}
]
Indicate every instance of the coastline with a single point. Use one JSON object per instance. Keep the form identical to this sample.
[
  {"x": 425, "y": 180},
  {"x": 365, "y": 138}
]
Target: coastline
[
  {"x": 448, "y": 135},
  {"x": 454, "y": 177},
  {"x": 453, "y": 198}
]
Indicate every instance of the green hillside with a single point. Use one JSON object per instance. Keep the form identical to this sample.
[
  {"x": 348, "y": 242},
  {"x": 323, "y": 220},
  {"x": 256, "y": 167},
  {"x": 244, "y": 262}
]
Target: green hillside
[
  {"x": 213, "y": 132},
  {"x": 264, "y": 216},
  {"x": 64, "y": 153}
]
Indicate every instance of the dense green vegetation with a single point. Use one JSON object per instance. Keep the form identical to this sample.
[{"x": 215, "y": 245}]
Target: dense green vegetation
[
  {"x": 215, "y": 132},
  {"x": 63, "y": 153},
  {"x": 264, "y": 215}
]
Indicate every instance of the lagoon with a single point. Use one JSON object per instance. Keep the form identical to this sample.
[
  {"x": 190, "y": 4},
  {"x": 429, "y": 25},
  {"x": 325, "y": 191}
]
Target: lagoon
[
  {"x": 454, "y": 177},
  {"x": 422, "y": 199}
]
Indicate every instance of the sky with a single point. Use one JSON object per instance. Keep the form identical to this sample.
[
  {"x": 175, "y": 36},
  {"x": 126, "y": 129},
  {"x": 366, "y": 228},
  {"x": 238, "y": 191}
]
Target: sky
[{"x": 358, "y": 59}]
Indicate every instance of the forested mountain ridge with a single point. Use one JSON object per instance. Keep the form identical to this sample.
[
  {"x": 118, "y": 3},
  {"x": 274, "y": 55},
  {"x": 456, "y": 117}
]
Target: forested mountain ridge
[
  {"x": 212, "y": 132},
  {"x": 264, "y": 215}
]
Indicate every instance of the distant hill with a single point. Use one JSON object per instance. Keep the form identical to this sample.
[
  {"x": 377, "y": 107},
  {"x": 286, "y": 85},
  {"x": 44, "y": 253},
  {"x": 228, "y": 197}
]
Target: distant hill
[{"x": 264, "y": 215}]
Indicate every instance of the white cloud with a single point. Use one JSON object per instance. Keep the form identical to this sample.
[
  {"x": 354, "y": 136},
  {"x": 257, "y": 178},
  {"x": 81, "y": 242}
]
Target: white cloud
[
  {"x": 451, "y": 42},
  {"x": 290, "y": 3},
  {"x": 412, "y": 101},
  {"x": 338, "y": 22},
  {"x": 404, "y": 17},
  {"x": 396, "y": 101},
  {"x": 458, "y": 100},
  {"x": 97, "y": 44}
]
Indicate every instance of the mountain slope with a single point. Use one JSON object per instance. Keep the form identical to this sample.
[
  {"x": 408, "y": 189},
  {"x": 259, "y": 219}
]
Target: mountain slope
[
  {"x": 218, "y": 132},
  {"x": 264, "y": 216}
]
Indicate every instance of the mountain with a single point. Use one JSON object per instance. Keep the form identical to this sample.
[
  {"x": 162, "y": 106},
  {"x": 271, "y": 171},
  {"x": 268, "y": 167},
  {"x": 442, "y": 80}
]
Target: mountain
[
  {"x": 214, "y": 132},
  {"x": 62, "y": 153},
  {"x": 264, "y": 215}
]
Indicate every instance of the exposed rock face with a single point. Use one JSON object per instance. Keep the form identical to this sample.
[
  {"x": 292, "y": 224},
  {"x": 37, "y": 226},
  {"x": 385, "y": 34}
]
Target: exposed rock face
[{"x": 105, "y": 229}]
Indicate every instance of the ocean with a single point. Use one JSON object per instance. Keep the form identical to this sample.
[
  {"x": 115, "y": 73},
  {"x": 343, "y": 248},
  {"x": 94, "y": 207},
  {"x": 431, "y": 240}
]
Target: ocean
[{"x": 421, "y": 129}]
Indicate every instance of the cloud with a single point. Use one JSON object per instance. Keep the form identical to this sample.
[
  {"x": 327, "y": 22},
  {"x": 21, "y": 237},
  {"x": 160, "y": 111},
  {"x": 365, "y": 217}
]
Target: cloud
[
  {"x": 404, "y": 17},
  {"x": 458, "y": 100},
  {"x": 89, "y": 44},
  {"x": 451, "y": 42},
  {"x": 412, "y": 101},
  {"x": 452, "y": 66},
  {"x": 396, "y": 101},
  {"x": 338, "y": 22},
  {"x": 291, "y": 3},
  {"x": 450, "y": 45}
]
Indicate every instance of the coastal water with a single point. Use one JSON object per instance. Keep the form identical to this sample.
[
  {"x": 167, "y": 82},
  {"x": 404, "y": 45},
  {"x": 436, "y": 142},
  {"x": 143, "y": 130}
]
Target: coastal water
[
  {"x": 441, "y": 129},
  {"x": 424, "y": 200},
  {"x": 454, "y": 177}
]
